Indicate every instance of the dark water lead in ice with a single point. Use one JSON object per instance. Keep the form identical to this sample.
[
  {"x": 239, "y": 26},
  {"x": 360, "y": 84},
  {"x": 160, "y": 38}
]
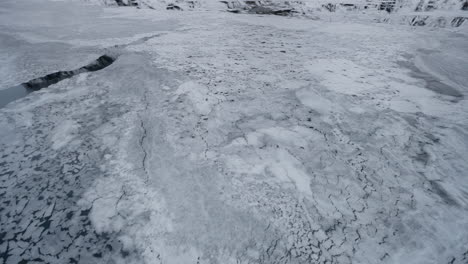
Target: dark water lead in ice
[
  {"x": 13, "y": 93},
  {"x": 19, "y": 91}
]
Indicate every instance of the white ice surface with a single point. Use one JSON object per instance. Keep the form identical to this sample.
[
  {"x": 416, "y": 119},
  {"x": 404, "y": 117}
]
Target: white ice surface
[{"x": 223, "y": 138}]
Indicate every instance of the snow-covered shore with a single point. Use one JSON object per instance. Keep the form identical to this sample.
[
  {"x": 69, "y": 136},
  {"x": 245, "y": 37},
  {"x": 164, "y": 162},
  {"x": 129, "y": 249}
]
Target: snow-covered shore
[{"x": 231, "y": 138}]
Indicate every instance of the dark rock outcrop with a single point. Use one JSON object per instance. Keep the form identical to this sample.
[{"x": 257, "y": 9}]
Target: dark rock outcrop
[
  {"x": 458, "y": 21},
  {"x": 465, "y": 6},
  {"x": 173, "y": 7}
]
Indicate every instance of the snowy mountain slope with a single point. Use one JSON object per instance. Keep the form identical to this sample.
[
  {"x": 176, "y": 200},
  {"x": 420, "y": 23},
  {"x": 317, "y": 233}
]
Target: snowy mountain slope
[
  {"x": 432, "y": 13},
  {"x": 407, "y": 5}
]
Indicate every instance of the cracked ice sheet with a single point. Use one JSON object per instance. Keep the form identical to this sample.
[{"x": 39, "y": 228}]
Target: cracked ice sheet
[{"x": 276, "y": 141}]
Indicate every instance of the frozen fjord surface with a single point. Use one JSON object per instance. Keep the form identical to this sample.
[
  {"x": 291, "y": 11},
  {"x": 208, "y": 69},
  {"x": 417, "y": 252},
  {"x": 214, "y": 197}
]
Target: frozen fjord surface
[{"x": 231, "y": 139}]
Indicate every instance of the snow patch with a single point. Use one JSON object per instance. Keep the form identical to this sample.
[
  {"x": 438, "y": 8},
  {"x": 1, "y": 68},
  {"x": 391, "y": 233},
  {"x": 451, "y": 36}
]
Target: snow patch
[
  {"x": 64, "y": 133},
  {"x": 287, "y": 169},
  {"x": 199, "y": 95},
  {"x": 314, "y": 100},
  {"x": 342, "y": 76}
]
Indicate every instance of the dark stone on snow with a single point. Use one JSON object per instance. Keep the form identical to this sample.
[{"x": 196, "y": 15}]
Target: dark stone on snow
[
  {"x": 458, "y": 21},
  {"x": 418, "y": 21},
  {"x": 120, "y": 3},
  {"x": 270, "y": 11},
  {"x": 465, "y": 6},
  {"x": 387, "y": 6},
  {"x": 251, "y": 3},
  {"x": 130, "y": 3},
  {"x": 173, "y": 7},
  {"x": 283, "y": 12},
  {"x": 232, "y": 4},
  {"x": 261, "y": 10},
  {"x": 348, "y": 6},
  {"x": 330, "y": 7}
]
